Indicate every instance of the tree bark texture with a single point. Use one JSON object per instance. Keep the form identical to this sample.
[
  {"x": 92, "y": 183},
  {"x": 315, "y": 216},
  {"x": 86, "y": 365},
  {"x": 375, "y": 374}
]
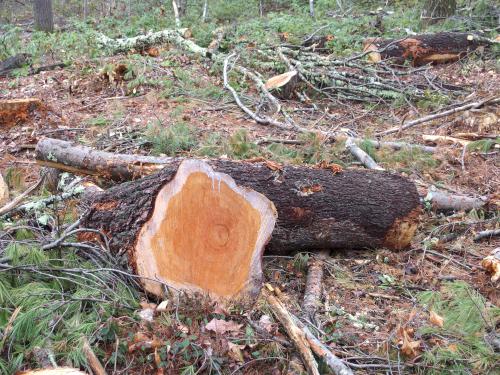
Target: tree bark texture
[
  {"x": 426, "y": 48},
  {"x": 44, "y": 18},
  {"x": 353, "y": 209},
  {"x": 317, "y": 208}
]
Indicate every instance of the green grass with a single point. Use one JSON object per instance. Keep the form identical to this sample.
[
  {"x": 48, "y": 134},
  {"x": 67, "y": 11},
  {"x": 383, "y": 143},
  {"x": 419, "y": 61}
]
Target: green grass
[
  {"x": 468, "y": 319},
  {"x": 170, "y": 140},
  {"x": 56, "y": 309},
  {"x": 407, "y": 160}
]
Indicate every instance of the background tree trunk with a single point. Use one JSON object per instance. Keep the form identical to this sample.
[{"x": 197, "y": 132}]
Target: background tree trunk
[
  {"x": 436, "y": 10},
  {"x": 44, "y": 18},
  {"x": 311, "y": 8}
]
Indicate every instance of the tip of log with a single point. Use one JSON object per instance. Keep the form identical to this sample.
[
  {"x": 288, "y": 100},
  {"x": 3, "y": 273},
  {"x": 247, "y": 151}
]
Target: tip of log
[
  {"x": 206, "y": 234},
  {"x": 369, "y": 45},
  {"x": 403, "y": 229}
]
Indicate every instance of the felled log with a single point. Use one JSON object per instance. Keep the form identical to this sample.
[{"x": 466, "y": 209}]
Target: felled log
[
  {"x": 14, "y": 111},
  {"x": 317, "y": 209},
  {"x": 14, "y": 62},
  {"x": 423, "y": 49}
]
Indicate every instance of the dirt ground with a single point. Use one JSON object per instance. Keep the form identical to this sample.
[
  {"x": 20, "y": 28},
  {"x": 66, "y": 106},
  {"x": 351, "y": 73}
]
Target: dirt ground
[{"x": 377, "y": 287}]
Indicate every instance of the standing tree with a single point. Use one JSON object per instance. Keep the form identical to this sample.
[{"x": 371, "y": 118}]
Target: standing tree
[
  {"x": 44, "y": 18},
  {"x": 311, "y": 8},
  {"x": 204, "y": 16},
  {"x": 435, "y": 10}
]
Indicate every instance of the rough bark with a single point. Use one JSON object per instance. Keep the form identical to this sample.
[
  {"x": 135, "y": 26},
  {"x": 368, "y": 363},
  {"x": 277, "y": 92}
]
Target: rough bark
[
  {"x": 353, "y": 209},
  {"x": 317, "y": 209},
  {"x": 426, "y": 48},
  {"x": 314, "y": 282},
  {"x": 44, "y": 18},
  {"x": 142, "y": 42},
  {"x": 14, "y": 62}
]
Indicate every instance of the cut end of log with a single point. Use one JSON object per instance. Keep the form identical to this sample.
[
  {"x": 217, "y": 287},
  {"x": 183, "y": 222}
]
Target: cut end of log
[
  {"x": 369, "y": 45},
  {"x": 401, "y": 233},
  {"x": 14, "y": 111},
  {"x": 206, "y": 234}
]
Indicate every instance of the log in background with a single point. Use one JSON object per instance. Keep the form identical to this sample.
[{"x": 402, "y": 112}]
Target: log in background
[{"x": 354, "y": 209}]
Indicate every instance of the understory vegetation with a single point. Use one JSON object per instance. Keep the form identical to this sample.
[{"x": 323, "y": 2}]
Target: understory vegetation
[{"x": 429, "y": 309}]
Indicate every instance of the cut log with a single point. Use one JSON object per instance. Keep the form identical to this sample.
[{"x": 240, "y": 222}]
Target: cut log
[
  {"x": 14, "y": 62},
  {"x": 426, "y": 48},
  {"x": 14, "y": 111},
  {"x": 204, "y": 234},
  {"x": 317, "y": 208}
]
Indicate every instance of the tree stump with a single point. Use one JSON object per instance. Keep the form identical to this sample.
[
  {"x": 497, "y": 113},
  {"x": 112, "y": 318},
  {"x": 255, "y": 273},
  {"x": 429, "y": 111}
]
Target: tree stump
[
  {"x": 204, "y": 234},
  {"x": 14, "y": 111}
]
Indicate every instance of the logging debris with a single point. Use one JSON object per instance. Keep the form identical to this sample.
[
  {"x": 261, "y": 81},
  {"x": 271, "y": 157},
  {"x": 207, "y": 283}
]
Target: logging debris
[{"x": 422, "y": 49}]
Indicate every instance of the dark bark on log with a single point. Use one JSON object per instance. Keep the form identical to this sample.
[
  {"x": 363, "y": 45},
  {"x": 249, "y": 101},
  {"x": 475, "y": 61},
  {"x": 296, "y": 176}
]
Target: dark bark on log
[
  {"x": 317, "y": 209},
  {"x": 14, "y": 62},
  {"x": 426, "y": 48},
  {"x": 355, "y": 209}
]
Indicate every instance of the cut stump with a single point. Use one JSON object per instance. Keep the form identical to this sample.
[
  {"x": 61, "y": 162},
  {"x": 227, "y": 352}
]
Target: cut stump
[
  {"x": 14, "y": 111},
  {"x": 205, "y": 234}
]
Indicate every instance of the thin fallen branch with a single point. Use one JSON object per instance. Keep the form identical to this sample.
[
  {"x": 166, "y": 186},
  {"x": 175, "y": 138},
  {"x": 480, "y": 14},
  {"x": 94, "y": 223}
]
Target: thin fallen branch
[
  {"x": 92, "y": 359},
  {"x": 18, "y": 200},
  {"x": 312, "y": 294},
  {"x": 362, "y": 156},
  {"x": 373, "y": 142},
  {"x": 306, "y": 339},
  {"x": 442, "y": 200},
  {"x": 321, "y": 350},
  {"x": 264, "y": 120},
  {"x": 410, "y": 124},
  {"x": 444, "y": 139},
  {"x": 296, "y": 335},
  {"x": 486, "y": 234}
]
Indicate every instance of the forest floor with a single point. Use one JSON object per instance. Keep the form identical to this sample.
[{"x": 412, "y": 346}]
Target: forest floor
[{"x": 380, "y": 309}]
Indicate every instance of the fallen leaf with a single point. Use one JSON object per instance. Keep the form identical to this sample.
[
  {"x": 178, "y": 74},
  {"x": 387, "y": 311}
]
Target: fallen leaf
[
  {"x": 162, "y": 307},
  {"x": 145, "y": 345},
  {"x": 409, "y": 347},
  {"x": 221, "y": 326},
  {"x": 219, "y": 309},
  {"x": 436, "y": 319},
  {"x": 280, "y": 80},
  {"x": 146, "y": 314},
  {"x": 235, "y": 351},
  {"x": 492, "y": 264},
  {"x": 266, "y": 323},
  {"x": 272, "y": 165}
]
